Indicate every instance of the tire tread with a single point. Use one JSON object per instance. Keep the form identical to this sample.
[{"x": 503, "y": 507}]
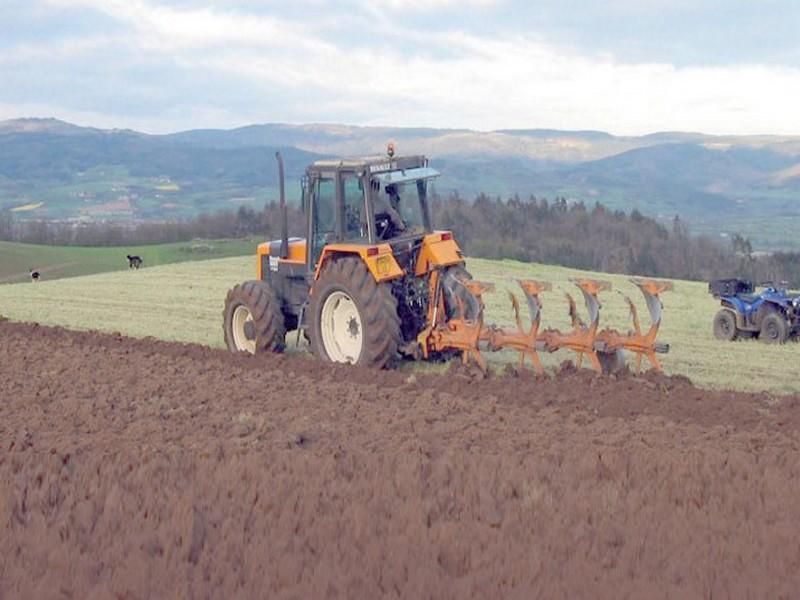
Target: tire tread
[
  {"x": 376, "y": 304},
  {"x": 264, "y": 306}
]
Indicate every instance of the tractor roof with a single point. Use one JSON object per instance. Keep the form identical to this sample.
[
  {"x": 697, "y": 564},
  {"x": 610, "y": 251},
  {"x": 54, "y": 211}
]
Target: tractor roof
[{"x": 375, "y": 164}]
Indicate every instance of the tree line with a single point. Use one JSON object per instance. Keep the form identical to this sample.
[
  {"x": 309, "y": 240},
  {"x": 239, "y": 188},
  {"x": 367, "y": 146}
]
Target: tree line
[
  {"x": 527, "y": 229},
  {"x": 598, "y": 239},
  {"x": 244, "y": 222}
]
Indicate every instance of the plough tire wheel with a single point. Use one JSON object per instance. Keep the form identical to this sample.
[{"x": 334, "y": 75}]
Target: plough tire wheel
[
  {"x": 774, "y": 328},
  {"x": 353, "y": 318},
  {"x": 612, "y": 362},
  {"x": 725, "y": 325},
  {"x": 252, "y": 319},
  {"x": 454, "y": 292}
]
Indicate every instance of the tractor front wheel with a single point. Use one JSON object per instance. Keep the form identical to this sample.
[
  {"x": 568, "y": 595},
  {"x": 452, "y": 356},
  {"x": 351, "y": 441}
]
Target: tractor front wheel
[
  {"x": 353, "y": 318},
  {"x": 774, "y": 329},
  {"x": 252, "y": 319},
  {"x": 725, "y": 325}
]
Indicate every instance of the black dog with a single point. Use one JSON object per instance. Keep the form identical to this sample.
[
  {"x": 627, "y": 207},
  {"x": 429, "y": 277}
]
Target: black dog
[
  {"x": 134, "y": 262},
  {"x": 34, "y": 275}
]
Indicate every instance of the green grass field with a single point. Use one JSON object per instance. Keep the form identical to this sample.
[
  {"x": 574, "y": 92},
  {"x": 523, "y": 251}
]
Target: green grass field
[
  {"x": 56, "y": 262},
  {"x": 183, "y": 302}
]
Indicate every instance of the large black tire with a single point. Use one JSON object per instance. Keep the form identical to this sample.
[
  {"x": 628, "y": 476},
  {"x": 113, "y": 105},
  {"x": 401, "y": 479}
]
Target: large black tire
[
  {"x": 454, "y": 290},
  {"x": 252, "y": 319},
  {"x": 370, "y": 326},
  {"x": 774, "y": 328},
  {"x": 725, "y": 325}
]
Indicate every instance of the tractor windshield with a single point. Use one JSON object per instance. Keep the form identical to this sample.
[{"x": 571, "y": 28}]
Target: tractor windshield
[{"x": 399, "y": 201}]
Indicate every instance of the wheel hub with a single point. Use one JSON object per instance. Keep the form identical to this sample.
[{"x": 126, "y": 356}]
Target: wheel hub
[
  {"x": 353, "y": 328},
  {"x": 243, "y": 329},
  {"x": 342, "y": 333}
]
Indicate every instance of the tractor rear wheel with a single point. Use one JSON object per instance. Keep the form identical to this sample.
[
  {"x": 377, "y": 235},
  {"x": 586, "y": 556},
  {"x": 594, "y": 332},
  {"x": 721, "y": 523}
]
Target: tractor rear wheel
[
  {"x": 353, "y": 318},
  {"x": 456, "y": 295},
  {"x": 774, "y": 328},
  {"x": 252, "y": 319},
  {"x": 725, "y": 325}
]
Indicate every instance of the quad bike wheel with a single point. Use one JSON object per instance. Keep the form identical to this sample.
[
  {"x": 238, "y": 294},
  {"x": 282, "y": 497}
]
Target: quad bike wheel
[
  {"x": 252, "y": 319},
  {"x": 774, "y": 328},
  {"x": 725, "y": 325},
  {"x": 353, "y": 319}
]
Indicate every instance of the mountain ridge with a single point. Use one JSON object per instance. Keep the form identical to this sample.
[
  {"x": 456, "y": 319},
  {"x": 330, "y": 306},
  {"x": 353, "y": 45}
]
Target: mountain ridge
[{"x": 747, "y": 184}]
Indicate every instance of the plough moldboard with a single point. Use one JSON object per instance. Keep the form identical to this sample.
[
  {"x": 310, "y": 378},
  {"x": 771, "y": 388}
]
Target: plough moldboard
[{"x": 603, "y": 349}]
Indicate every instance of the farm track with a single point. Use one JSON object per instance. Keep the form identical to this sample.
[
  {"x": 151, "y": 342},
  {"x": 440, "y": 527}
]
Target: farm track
[{"x": 145, "y": 469}]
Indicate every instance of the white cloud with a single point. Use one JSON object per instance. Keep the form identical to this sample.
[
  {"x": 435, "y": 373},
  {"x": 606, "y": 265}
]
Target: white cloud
[
  {"x": 426, "y": 5},
  {"x": 432, "y": 78}
]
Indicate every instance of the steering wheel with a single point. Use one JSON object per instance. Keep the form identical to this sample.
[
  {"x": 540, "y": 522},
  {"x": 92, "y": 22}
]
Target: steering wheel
[{"x": 384, "y": 228}]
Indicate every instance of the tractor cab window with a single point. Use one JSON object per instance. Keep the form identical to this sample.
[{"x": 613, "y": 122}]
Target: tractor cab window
[
  {"x": 355, "y": 214},
  {"x": 399, "y": 207},
  {"x": 323, "y": 216},
  {"x": 412, "y": 209}
]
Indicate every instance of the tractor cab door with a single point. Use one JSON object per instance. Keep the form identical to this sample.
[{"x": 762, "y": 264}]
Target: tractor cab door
[
  {"x": 323, "y": 224},
  {"x": 337, "y": 212},
  {"x": 356, "y": 222}
]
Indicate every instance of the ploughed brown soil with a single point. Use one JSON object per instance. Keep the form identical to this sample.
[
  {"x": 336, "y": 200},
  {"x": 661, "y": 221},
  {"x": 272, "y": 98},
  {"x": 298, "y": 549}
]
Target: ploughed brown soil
[{"x": 143, "y": 469}]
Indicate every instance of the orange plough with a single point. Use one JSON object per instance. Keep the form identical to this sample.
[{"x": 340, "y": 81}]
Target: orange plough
[
  {"x": 525, "y": 342},
  {"x": 641, "y": 344},
  {"x": 581, "y": 339},
  {"x": 603, "y": 349},
  {"x": 459, "y": 333}
]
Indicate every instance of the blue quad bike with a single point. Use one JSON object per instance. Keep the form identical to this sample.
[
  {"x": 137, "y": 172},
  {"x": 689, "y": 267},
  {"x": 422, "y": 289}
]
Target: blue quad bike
[{"x": 772, "y": 315}]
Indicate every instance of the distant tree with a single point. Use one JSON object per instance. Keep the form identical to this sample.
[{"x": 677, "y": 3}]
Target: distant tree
[
  {"x": 6, "y": 225},
  {"x": 527, "y": 229},
  {"x": 742, "y": 246}
]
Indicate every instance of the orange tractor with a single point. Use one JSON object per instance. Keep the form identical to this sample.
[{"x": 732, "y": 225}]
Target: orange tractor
[{"x": 373, "y": 282}]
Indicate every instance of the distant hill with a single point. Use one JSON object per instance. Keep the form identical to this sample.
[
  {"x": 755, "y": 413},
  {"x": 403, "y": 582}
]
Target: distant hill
[
  {"x": 61, "y": 173},
  {"x": 722, "y": 184},
  {"x": 52, "y": 126}
]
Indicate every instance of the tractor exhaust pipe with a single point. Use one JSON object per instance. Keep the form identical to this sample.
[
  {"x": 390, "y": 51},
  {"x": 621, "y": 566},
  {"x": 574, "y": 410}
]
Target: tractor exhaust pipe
[{"x": 284, "y": 214}]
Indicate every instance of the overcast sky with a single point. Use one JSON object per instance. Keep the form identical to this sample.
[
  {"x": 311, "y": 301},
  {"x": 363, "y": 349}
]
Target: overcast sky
[{"x": 624, "y": 66}]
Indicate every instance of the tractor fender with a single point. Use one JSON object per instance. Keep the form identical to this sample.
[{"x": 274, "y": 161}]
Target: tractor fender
[
  {"x": 439, "y": 249},
  {"x": 379, "y": 259}
]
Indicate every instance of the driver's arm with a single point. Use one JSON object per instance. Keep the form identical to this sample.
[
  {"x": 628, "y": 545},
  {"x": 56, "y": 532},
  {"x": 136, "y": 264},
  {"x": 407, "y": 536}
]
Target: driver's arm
[
  {"x": 393, "y": 208},
  {"x": 396, "y": 219}
]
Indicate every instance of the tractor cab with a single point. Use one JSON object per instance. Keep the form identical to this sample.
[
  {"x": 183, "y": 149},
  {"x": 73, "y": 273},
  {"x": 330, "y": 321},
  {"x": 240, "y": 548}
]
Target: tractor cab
[
  {"x": 366, "y": 201},
  {"x": 373, "y": 209}
]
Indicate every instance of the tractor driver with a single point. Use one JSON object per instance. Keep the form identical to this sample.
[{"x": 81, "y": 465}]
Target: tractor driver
[{"x": 389, "y": 207}]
